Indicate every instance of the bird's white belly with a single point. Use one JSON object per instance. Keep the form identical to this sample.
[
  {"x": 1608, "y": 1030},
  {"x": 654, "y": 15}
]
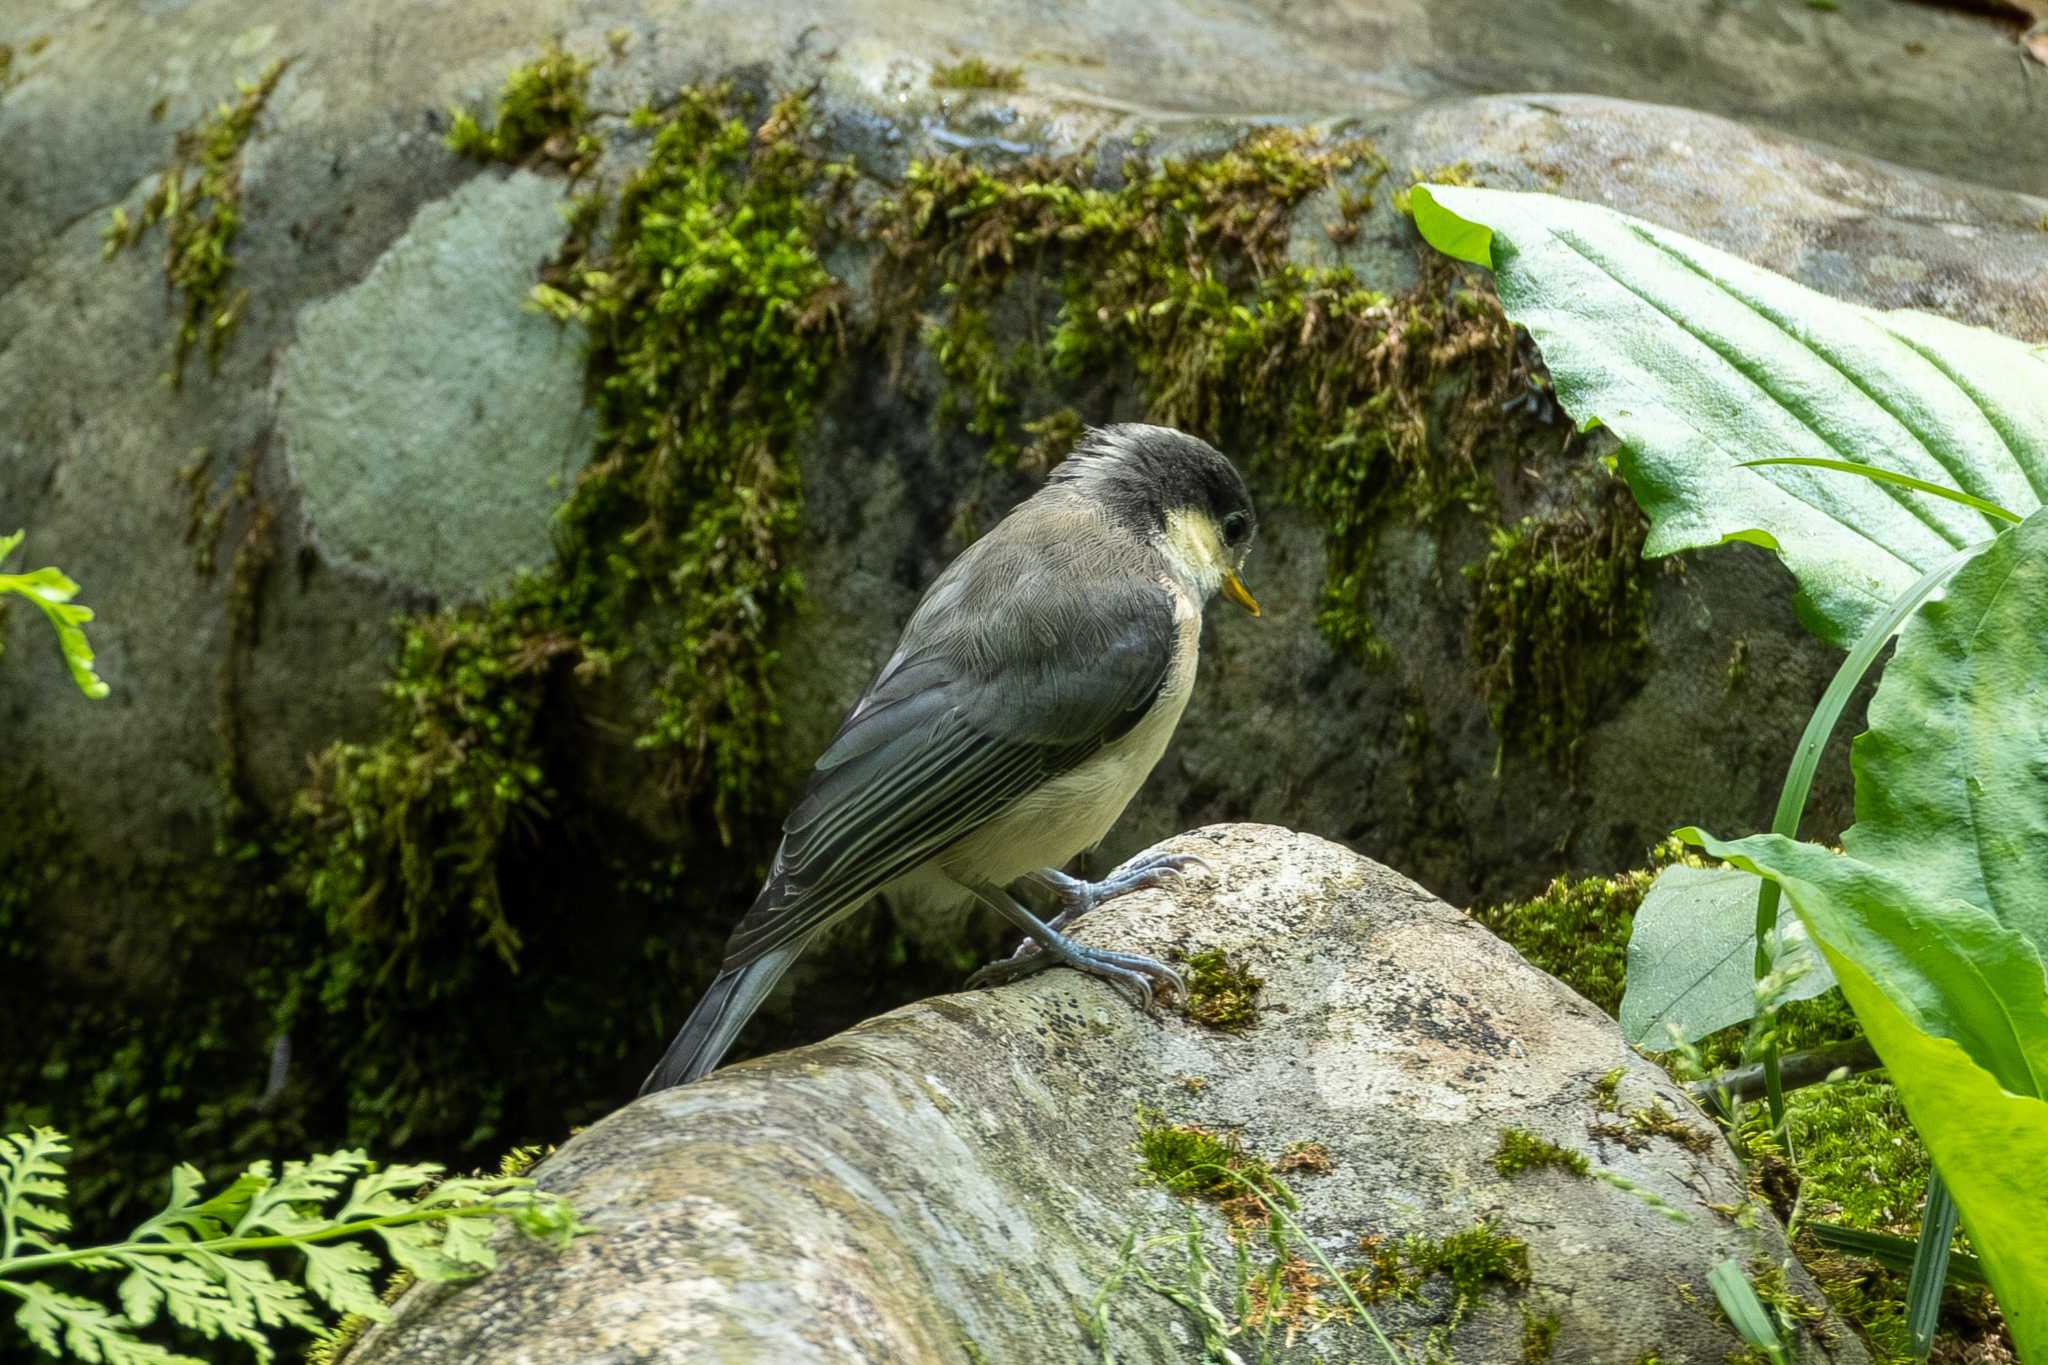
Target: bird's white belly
[{"x": 1076, "y": 809}]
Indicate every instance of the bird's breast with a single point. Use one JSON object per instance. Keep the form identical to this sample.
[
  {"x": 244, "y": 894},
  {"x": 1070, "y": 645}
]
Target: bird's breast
[{"x": 1073, "y": 811}]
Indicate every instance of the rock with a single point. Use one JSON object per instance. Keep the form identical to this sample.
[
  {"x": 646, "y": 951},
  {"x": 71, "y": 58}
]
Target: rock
[
  {"x": 954, "y": 1181},
  {"x": 438, "y": 461},
  {"x": 341, "y": 463}
]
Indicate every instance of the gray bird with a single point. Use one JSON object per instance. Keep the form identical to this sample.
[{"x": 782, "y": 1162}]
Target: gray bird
[{"x": 1035, "y": 686}]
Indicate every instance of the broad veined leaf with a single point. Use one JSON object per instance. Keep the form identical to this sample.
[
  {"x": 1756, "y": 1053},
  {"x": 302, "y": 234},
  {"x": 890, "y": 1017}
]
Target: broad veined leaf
[
  {"x": 1988, "y": 1143},
  {"x": 1952, "y": 777},
  {"x": 1692, "y": 955},
  {"x": 1948, "y": 966},
  {"x": 1699, "y": 361}
]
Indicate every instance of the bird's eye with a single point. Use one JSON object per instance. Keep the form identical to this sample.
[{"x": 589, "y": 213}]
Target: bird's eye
[{"x": 1236, "y": 527}]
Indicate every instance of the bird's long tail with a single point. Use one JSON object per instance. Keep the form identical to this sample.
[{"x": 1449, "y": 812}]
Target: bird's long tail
[{"x": 719, "y": 1016}]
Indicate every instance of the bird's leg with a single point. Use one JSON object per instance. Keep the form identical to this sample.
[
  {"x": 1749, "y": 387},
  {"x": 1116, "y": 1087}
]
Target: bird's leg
[
  {"x": 1131, "y": 973},
  {"x": 1076, "y": 897}
]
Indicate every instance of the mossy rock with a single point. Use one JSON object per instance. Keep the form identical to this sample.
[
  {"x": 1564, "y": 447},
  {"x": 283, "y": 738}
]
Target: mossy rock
[{"x": 415, "y": 846}]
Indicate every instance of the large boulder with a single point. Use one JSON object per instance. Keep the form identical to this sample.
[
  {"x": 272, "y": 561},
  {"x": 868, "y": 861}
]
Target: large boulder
[
  {"x": 960, "y": 1180},
  {"x": 388, "y": 432}
]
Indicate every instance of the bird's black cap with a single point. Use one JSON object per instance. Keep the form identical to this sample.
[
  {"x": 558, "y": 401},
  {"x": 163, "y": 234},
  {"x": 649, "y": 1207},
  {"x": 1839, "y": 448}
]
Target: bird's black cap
[{"x": 1141, "y": 473}]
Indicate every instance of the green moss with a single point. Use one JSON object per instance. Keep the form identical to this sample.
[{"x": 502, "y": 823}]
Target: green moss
[
  {"x": 1539, "y": 1336},
  {"x": 1220, "y": 994},
  {"x": 1189, "y": 1160},
  {"x": 198, "y": 200},
  {"x": 1859, "y": 1163},
  {"x": 1472, "y": 1260},
  {"x": 541, "y": 110},
  {"x": 1562, "y": 607},
  {"x": 1521, "y": 1150},
  {"x": 1607, "y": 1091},
  {"x": 1176, "y": 282},
  {"x": 976, "y": 74}
]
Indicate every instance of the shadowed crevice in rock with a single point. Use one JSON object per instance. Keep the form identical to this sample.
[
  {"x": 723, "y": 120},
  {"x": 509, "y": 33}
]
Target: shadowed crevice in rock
[{"x": 957, "y": 1177}]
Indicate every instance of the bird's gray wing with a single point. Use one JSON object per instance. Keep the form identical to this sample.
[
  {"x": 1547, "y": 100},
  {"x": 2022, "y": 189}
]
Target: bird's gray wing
[{"x": 959, "y": 725}]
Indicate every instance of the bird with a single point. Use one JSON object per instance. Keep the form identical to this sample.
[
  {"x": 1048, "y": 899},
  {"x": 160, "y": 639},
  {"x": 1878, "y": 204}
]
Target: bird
[{"x": 1032, "y": 691}]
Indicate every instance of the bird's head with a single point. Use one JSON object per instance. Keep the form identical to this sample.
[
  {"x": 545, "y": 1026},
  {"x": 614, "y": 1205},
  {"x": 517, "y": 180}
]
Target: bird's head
[{"x": 1180, "y": 493}]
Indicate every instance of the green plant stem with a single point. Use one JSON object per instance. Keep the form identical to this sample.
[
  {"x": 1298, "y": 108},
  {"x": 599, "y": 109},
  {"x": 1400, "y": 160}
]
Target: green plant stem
[
  {"x": 1800, "y": 1069},
  {"x": 21, "y": 1265},
  {"x": 1274, "y": 1210},
  {"x": 1930, "y": 1265},
  {"x": 1799, "y": 781}
]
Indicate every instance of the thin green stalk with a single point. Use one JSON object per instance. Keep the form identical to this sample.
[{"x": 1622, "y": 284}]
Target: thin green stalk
[
  {"x": 226, "y": 1245},
  {"x": 1881, "y": 475},
  {"x": 1799, "y": 781},
  {"x": 1274, "y": 1210},
  {"x": 1930, "y": 1265}
]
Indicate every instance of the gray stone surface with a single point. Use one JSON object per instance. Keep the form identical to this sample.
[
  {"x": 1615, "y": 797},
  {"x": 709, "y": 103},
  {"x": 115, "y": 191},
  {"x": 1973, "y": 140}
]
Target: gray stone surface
[
  {"x": 430, "y": 419},
  {"x": 952, "y": 1182},
  {"x": 347, "y": 164}
]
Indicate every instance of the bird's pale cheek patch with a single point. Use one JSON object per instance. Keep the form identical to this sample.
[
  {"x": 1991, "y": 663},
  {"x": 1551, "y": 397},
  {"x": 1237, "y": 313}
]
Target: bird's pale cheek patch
[{"x": 1194, "y": 548}]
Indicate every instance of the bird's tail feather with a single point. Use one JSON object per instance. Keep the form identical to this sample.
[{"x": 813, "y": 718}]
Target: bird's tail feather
[{"x": 719, "y": 1016}]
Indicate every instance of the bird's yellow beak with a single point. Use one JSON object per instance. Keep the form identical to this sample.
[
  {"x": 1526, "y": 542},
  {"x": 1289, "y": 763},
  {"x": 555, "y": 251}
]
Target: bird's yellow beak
[{"x": 1236, "y": 591}]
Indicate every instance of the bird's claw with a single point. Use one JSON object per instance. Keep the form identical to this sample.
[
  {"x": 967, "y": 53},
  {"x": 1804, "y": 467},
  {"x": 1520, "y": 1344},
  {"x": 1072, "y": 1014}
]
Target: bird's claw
[{"x": 1138, "y": 978}]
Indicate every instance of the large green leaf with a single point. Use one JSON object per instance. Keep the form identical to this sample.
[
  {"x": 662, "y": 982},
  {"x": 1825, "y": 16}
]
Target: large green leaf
[
  {"x": 1952, "y": 777},
  {"x": 1989, "y": 1144},
  {"x": 1699, "y": 361},
  {"x": 1692, "y": 954}
]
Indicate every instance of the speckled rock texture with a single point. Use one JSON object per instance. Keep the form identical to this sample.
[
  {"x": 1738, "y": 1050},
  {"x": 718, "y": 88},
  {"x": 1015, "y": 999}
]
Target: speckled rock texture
[{"x": 952, "y": 1182}]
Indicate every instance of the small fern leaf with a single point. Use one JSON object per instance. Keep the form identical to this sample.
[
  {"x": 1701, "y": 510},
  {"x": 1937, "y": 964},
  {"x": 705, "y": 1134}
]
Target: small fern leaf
[
  {"x": 386, "y": 1191},
  {"x": 64, "y": 1323},
  {"x": 32, "y": 1190},
  {"x": 339, "y": 1272}
]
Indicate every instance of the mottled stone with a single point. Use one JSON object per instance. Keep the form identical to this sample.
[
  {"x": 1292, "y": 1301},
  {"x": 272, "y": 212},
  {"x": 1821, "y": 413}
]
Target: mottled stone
[
  {"x": 430, "y": 418},
  {"x": 953, "y": 1181}
]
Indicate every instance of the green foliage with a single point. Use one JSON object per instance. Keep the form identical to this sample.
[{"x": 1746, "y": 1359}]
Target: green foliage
[
  {"x": 1562, "y": 606},
  {"x": 198, "y": 199},
  {"x": 541, "y": 110},
  {"x": 52, "y": 592},
  {"x": 1729, "y": 363},
  {"x": 1521, "y": 1150},
  {"x": 1932, "y": 918},
  {"x": 1691, "y": 953},
  {"x": 202, "y": 1262},
  {"x": 1221, "y": 994},
  {"x": 976, "y": 74}
]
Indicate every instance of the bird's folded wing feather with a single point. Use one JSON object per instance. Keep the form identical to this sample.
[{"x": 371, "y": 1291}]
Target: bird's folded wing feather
[{"x": 959, "y": 726}]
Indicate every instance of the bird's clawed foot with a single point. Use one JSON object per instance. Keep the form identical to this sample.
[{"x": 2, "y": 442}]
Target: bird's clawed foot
[{"x": 1138, "y": 977}]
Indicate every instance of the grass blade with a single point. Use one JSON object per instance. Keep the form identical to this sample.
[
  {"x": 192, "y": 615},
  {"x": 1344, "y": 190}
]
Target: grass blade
[
  {"x": 1930, "y": 1265},
  {"x": 1739, "y": 1301},
  {"x": 1806, "y": 761},
  {"x": 1881, "y": 475},
  {"x": 1895, "y": 1253}
]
